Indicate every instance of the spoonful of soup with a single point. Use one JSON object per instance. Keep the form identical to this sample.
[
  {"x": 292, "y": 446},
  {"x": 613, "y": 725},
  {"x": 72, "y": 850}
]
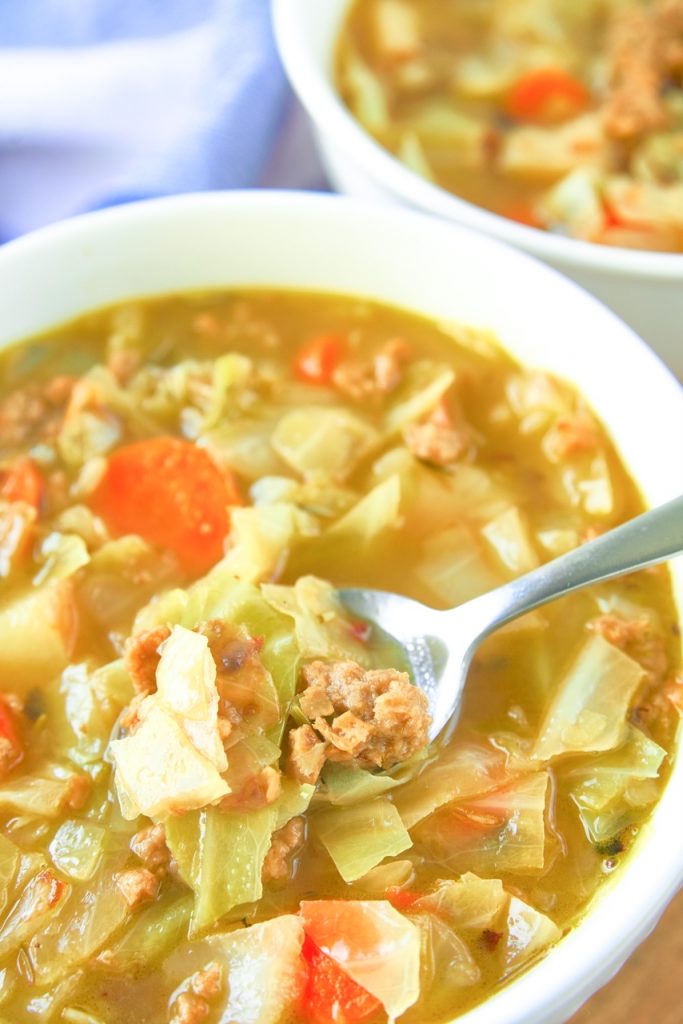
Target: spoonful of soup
[{"x": 440, "y": 645}]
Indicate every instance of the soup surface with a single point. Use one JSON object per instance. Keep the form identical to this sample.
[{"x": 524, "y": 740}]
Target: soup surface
[
  {"x": 563, "y": 115},
  {"x": 217, "y": 801}
]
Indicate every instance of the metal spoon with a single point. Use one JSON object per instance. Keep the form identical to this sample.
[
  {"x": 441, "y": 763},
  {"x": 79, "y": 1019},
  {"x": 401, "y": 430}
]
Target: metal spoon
[{"x": 440, "y": 644}]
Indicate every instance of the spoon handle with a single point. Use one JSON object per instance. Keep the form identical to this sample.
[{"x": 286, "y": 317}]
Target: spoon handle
[{"x": 650, "y": 538}]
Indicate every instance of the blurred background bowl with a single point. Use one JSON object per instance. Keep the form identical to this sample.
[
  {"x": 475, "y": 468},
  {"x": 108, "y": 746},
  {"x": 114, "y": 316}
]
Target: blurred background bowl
[{"x": 645, "y": 288}]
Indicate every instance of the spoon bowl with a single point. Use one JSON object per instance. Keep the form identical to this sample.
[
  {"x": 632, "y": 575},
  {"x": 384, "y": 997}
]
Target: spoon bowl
[{"x": 440, "y": 645}]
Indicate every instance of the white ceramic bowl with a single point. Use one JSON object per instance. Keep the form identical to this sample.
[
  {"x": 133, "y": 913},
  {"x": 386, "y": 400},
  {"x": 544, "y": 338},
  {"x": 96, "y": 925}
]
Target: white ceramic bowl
[
  {"x": 646, "y": 289},
  {"x": 327, "y": 243}
]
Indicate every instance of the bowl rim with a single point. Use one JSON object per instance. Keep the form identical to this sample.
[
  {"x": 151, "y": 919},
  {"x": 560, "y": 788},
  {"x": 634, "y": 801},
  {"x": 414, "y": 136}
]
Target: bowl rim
[
  {"x": 580, "y": 963},
  {"x": 313, "y": 85}
]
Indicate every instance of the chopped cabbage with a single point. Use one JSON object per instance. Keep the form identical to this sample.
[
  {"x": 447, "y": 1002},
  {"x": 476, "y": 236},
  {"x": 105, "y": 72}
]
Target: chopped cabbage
[
  {"x": 200, "y": 844},
  {"x": 260, "y": 539},
  {"x": 231, "y": 374},
  {"x": 317, "y": 440},
  {"x": 589, "y": 710},
  {"x": 173, "y": 759},
  {"x": 122, "y": 575},
  {"x": 392, "y": 875},
  {"x": 371, "y": 517},
  {"x": 186, "y": 687},
  {"x": 610, "y": 788},
  {"x": 244, "y": 447},
  {"x": 77, "y": 848},
  {"x": 454, "y": 566},
  {"x": 528, "y": 933},
  {"x": 348, "y": 784},
  {"x": 424, "y": 384},
  {"x": 49, "y": 613},
  {"x": 438, "y": 123},
  {"x": 155, "y": 931},
  {"x": 446, "y": 967},
  {"x": 38, "y": 904},
  {"x": 357, "y": 838},
  {"x": 160, "y": 772},
  {"x": 218, "y": 595},
  {"x": 509, "y": 536},
  {"x": 575, "y": 203},
  {"x": 412, "y": 153},
  {"x": 366, "y": 92},
  {"x": 42, "y": 793},
  {"x": 499, "y": 831},
  {"x": 469, "y": 903},
  {"x": 265, "y": 971},
  {"x": 87, "y": 919},
  {"x": 318, "y": 495},
  {"x": 396, "y": 28},
  {"x": 374, "y": 944},
  {"x": 84, "y": 709},
  {"x": 462, "y": 770},
  {"x": 87, "y": 434},
  {"x": 9, "y": 862},
  {"x": 63, "y": 554},
  {"x": 293, "y": 800},
  {"x": 323, "y": 628},
  {"x": 588, "y": 485}
]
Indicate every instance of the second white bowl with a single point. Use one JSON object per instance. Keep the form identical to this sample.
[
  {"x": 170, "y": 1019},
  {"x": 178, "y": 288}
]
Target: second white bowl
[{"x": 644, "y": 288}]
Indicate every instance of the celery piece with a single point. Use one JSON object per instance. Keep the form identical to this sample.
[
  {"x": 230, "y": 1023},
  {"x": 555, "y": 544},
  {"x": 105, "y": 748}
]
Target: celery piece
[
  {"x": 76, "y": 848},
  {"x": 155, "y": 931},
  {"x": 359, "y": 837}
]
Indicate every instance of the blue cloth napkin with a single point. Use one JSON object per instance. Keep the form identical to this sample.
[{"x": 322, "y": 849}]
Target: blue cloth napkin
[{"x": 104, "y": 101}]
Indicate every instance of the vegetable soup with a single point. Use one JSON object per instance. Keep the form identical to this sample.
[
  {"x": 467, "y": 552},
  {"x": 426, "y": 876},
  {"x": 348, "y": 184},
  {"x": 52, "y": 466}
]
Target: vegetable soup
[
  {"x": 218, "y": 802},
  {"x": 560, "y": 114}
]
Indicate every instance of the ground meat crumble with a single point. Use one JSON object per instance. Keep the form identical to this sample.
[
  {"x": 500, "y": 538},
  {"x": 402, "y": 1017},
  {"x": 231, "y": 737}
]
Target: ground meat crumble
[
  {"x": 149, "y": 844},
  {"x": 437, "y": 439},
  {"x": 192, "y": 1005},
  {"x": 374, "y": 378},
  {"x": 637, "y": 638},
  {"x": 646, "y": 46},
  {"x": 374, "y": 717},
  {"x": 137, "y": 885},
  {"x": 141, "y": 658},
  {"x": 286, "y": 842}
]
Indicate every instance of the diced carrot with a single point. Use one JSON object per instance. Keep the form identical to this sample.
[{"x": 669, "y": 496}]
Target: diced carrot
[
  {"x": 23, "y": 482},
  {"x": 401, "y": 899},
  {"x": 545, "y": 95},
  {"x": 318, "y": 360},
  {"x": 11, "y": 748},
  {"x": 171, "y": 493},
  {"x": 523, "y": 213},
  {"x": 330, "y": 996}
]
